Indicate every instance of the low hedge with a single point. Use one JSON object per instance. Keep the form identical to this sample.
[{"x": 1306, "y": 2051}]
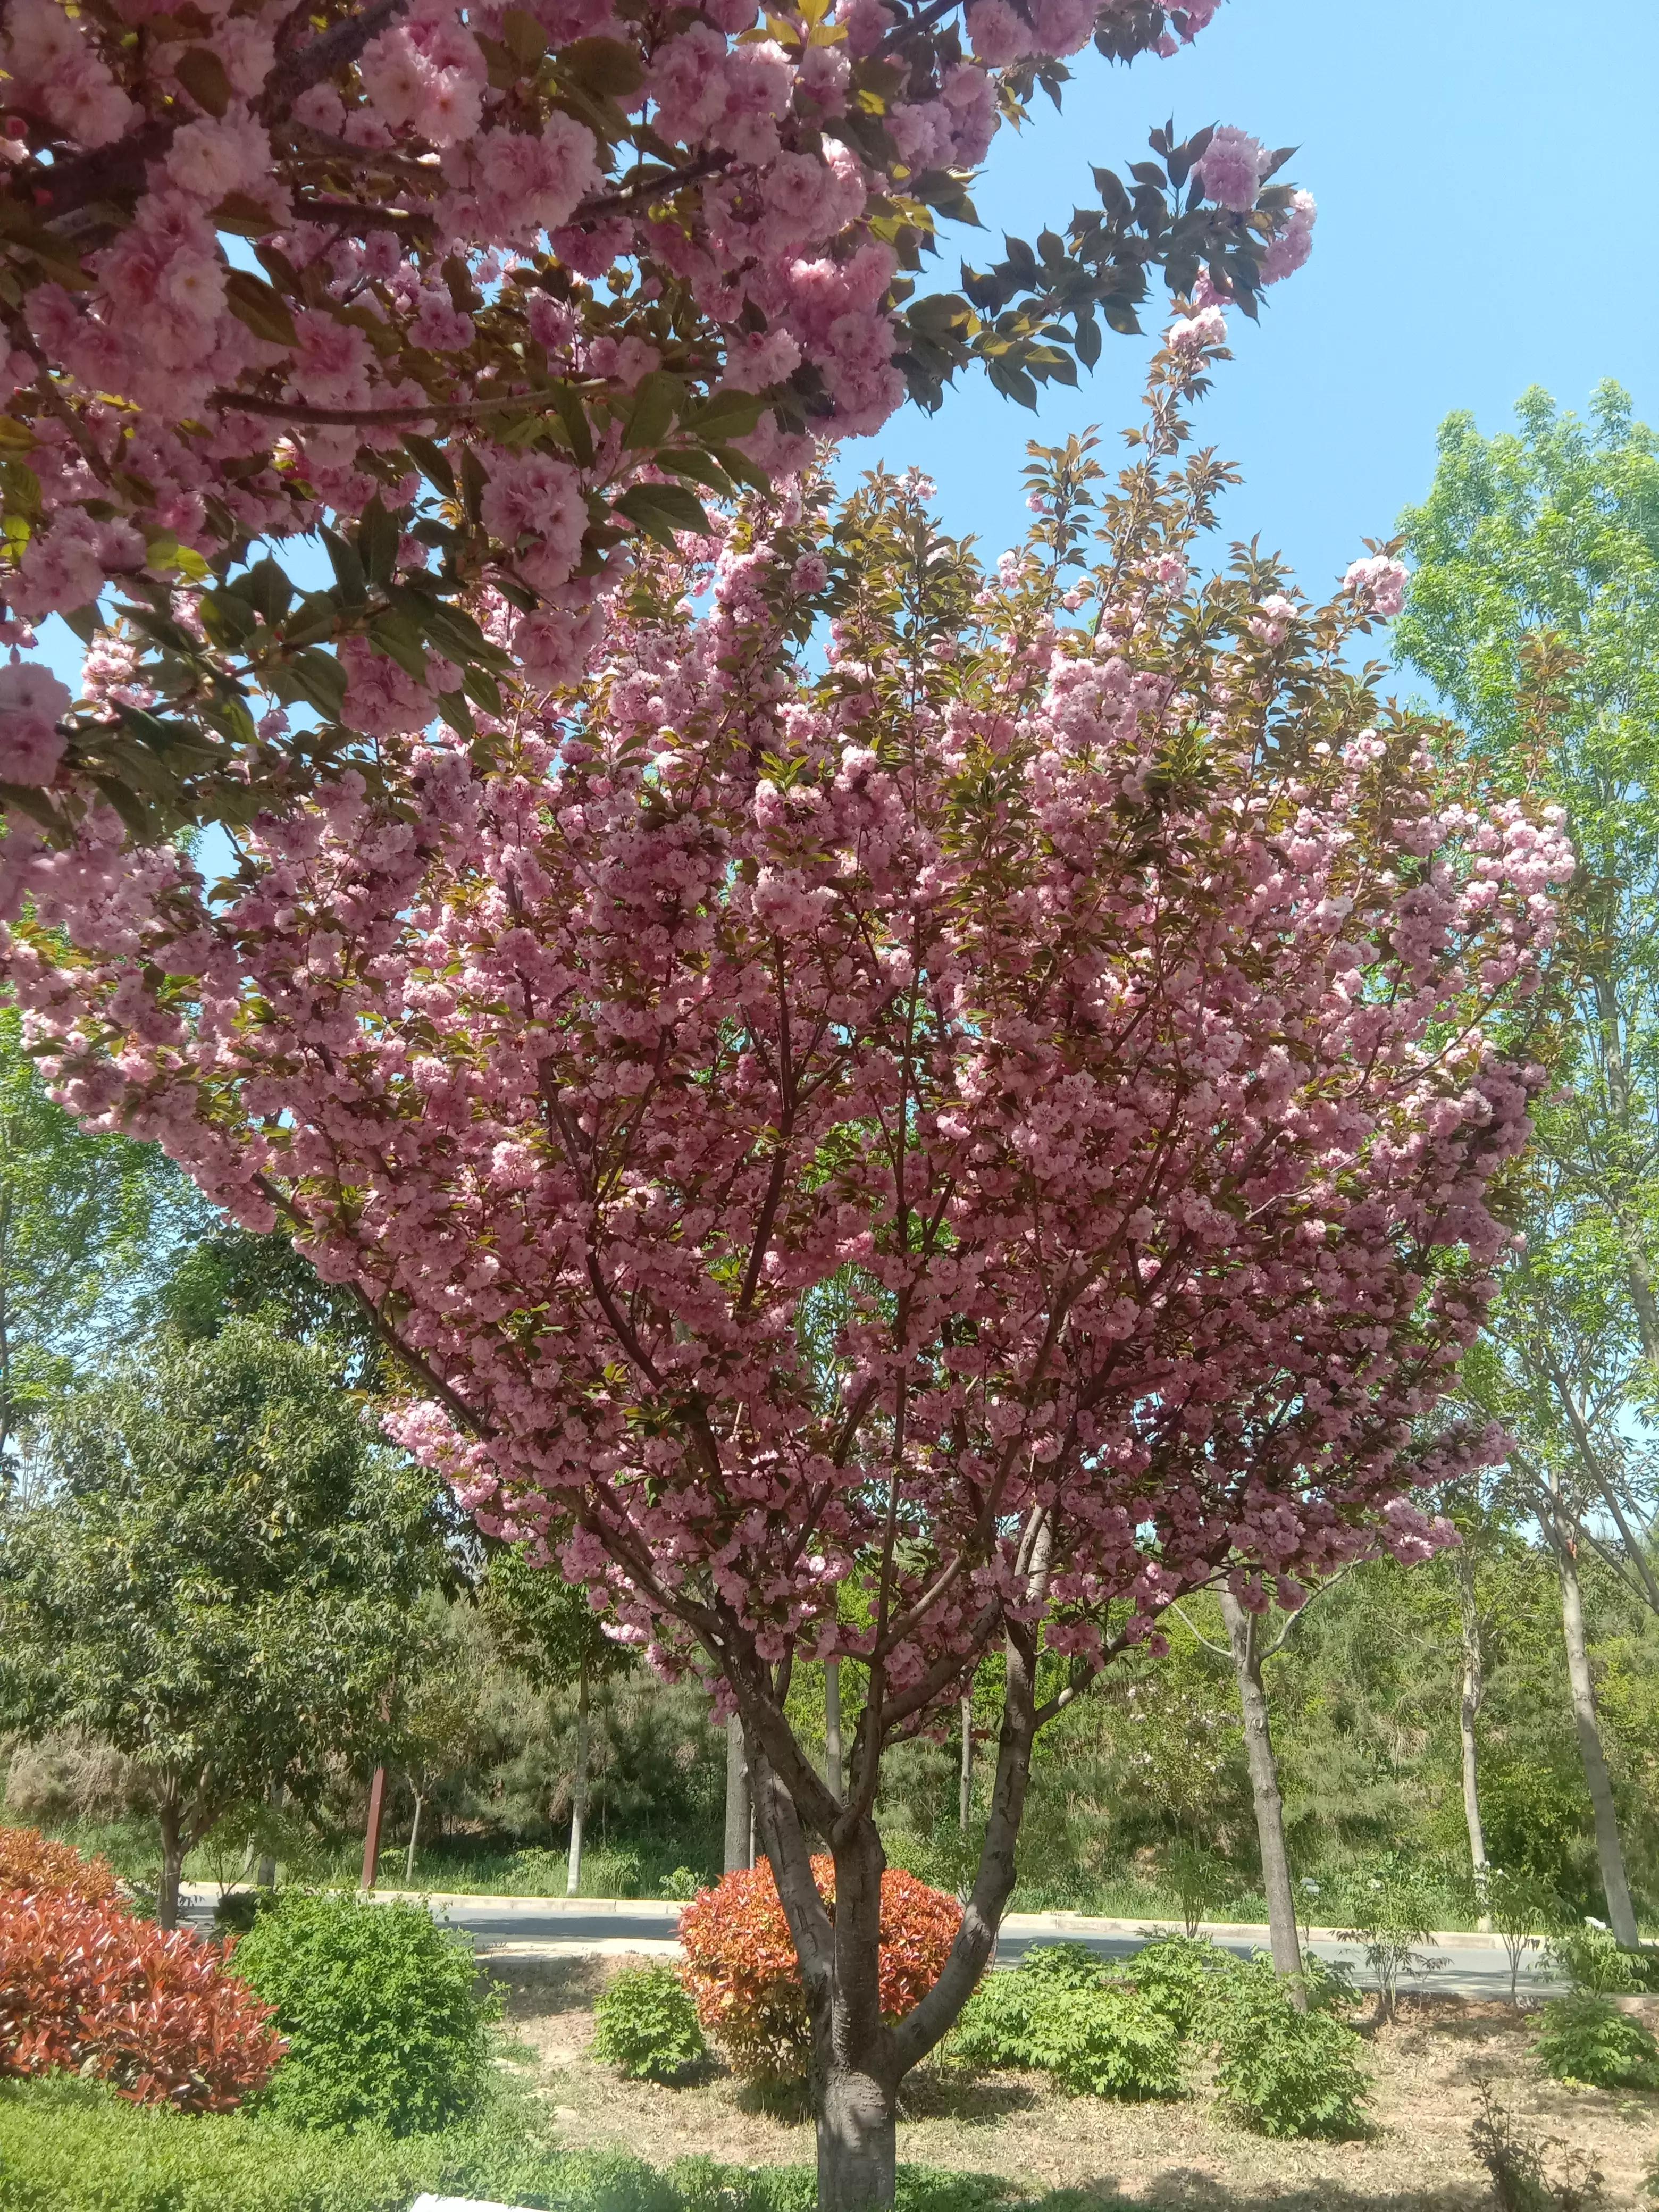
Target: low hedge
[{"x": 68, "y": 2146}]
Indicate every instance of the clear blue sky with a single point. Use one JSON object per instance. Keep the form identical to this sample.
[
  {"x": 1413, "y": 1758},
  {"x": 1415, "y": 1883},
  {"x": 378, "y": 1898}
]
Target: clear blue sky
[{"x": 1485, "y": 174}]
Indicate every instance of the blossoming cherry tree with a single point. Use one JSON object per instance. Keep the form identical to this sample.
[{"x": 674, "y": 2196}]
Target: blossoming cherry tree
[{"x": 929, "y": 1156}]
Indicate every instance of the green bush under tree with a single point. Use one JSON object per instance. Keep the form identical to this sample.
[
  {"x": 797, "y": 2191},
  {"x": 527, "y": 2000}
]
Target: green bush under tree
[{"x": 386, "y": 2019}]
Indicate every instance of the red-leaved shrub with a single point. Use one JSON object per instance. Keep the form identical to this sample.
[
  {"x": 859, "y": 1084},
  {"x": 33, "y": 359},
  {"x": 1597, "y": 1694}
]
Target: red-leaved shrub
[
  {"x": 32, "y": 1863},
  {"x": 741, "y": 1970},
  {"x": 86, "y": 1987}
]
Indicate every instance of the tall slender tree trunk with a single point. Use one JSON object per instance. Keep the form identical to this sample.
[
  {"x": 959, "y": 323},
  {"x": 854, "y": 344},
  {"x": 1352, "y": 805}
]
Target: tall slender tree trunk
[
  {"x": 173, "y": 1864},
  {"x": 414, "y": 1840},
  {"x": 739, "y": 1822},
  {"x": 1475, "y": 1691},
  {"x": 832, "y": 1726},
  {"x": 965, "y": 1786},
  {"x": 1283, "y": 1933},
  {"x": 266, "y": 1875},
  {"x": 371, "y": 1872},
  {"x": 1621, "y": 1913},
  {"x": 579, "y": 1785}
]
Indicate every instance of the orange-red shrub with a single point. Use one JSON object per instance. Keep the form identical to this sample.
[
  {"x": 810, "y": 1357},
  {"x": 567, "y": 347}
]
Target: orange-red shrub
[
  {"x": 86, "y": 1987},
  {"x": 741, "y": 1970},
  {"x": 31, "y": 1862}
]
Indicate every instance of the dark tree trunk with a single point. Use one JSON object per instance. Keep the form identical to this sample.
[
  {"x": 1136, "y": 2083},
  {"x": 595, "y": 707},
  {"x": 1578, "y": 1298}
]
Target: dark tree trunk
[
  {"x": 173, "y": 1864},
  {"x": 859, "y": 2060},
  {"x": 1242, "y": 1635}
]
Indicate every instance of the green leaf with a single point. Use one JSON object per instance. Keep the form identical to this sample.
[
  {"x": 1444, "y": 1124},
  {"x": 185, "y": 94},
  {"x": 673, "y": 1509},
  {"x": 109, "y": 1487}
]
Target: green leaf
[
  {"x": 429, "y": 458},
  {"x": 453, "y": 705},
  {"x": 526, "y": 41},
  {"x": 656, "y": 402},
  {"x": 604, "y": 66},
  {"x": 319, "y": 679},
  {"x": 201, "y": 74},
  {"x": 347, "y": 567},
  {"x": 661, "y": 509},
  {"x": 473, "y": 481},
  {"x": 261, "y": 307},
  {"x": 377, "y": 539},
  {"x": 266, "y": 586}
]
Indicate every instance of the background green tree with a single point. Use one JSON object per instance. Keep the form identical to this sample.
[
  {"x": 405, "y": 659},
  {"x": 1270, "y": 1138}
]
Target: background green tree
[
  {"x": 1535, "y": 612},
  {"x": 217, "y": 1577}
]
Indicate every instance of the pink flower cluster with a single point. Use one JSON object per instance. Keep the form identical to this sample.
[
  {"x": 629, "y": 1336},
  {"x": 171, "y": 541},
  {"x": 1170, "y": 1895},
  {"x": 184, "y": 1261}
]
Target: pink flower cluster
[
  {"x": 763, "y": 1093},
  {"x": 443, "y": 219},
  {"x": 1379, "y": 584}
]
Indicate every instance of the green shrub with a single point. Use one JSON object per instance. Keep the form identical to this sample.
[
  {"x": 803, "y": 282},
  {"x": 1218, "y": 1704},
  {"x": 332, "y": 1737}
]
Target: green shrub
[
  {"x": 382, "y": 2010},
  {"x": 1281, "y": 2071},
  {"x": 1182, "y": 1977},
  {"x": 1059, "y": 2012},
  {"x": 995, "y": 2032},
  {"x": 1105, "y": 2043},
  {"x": 1585, "y": 2038},
  {"x": 1593, "y": 1963},
  {"x": 646, "y": 2025},
  {"x": 1062, "y": 1966},
  {"x": 682, "y": 1885}
]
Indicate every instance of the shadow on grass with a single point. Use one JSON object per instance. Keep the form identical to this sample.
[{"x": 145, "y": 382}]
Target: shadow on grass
[
  {"x": 531, "y": 1988},
  {"x": 923, "y": 2188}
]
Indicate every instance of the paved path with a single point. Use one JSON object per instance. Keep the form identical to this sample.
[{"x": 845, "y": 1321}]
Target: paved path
[{"x": 554, "y": 1927}]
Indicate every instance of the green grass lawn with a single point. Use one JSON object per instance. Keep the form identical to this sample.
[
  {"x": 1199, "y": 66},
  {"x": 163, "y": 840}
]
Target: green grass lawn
[{"x": 66, "y": 2146}]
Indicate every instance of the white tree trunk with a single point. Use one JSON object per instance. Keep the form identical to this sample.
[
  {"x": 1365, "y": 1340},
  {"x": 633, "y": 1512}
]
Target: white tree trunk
[
  {"x": 832, "y": 1726},
  {"x": 578, "y": 1787},
  {"x": 1475, "y": 1691},
  {"x": 739, "y": 1824}
]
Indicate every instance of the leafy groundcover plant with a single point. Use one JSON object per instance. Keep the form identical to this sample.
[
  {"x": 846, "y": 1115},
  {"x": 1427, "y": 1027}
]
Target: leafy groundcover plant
[
  {"x": 70, "y": 2147},
  {"x": 386, "y": 2023},
  {"x": 1281, "y": 2071},
  {"x": 1585, "y": 2038}
]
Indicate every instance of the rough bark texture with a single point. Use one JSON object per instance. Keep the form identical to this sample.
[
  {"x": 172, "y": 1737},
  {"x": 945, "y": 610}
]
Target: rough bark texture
[
  {"x": 1243, "y": 1635},
  {"x": 1475, "y": 1691},
  {"x": 738, "y": 1825},
  {"x": 857, "y": 2142},
  {"x": 578, "y": 1786},
  {"x": 1621, "y": 1913}
]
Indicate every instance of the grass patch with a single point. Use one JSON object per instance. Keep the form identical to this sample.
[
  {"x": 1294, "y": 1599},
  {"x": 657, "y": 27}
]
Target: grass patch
[{"x": 69, "y": 2146}]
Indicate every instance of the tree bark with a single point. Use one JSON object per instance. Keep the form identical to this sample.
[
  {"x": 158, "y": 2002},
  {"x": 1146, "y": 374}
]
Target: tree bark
[
  {"x": 414, "y": 1839},
  {"x": 266, "y": 1876},
  {"x": 372, "y": 1830},
  {"x": 965, "y": 1788},
  {"x": 832, "y": 1774},
  {"x": 858, "y": 2142},
  {"x": 1284, "y": 1937},
  {"x": 173, "y": 1864},
  {"x": 1621, "y": 1913},
  {"x": 739, "y": 1823},
  {"x": 1475, "y": 1691},
  {"x": 578, "y": 1786}
]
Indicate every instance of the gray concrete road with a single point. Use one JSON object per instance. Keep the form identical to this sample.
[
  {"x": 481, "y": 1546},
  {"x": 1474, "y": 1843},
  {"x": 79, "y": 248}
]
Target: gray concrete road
[{"x": 1474, "y": 1965}]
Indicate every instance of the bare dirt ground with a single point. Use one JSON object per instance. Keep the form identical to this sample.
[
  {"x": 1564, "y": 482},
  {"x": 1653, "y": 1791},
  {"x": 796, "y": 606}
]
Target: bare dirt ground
[{"x": 1427, "y": 2068}]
